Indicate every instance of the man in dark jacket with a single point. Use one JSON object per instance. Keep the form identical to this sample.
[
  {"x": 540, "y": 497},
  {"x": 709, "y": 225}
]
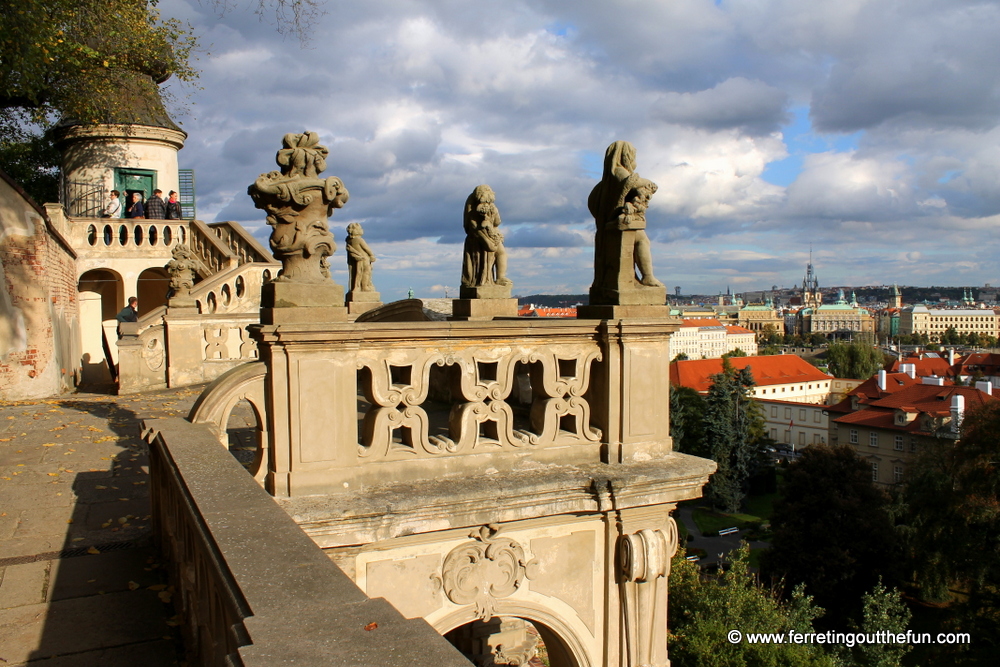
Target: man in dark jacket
[
  {"x": 156, "y": 209},
  {"x": 129, "y": 313}
]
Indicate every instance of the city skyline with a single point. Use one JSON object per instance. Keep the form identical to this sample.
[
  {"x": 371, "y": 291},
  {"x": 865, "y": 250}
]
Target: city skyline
[{"x": 867, "y": 129}]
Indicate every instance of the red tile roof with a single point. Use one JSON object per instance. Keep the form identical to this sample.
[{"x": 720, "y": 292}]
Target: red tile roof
[
  {"x": 986, "y": 363},
  {"x": 918, "y": 398},
  {"x": 737, "y": 330},
  {"x": 700, "y": 322},
  {"x": 925, "y": 365},
  {"x": 768, "y": 370},
  {"x": 868, "y": 391}
]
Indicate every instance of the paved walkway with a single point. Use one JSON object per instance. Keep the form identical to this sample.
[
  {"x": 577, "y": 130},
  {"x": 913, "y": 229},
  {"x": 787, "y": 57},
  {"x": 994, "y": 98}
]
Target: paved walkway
[
  {"x": 80, "y": 585},
  {"x": 716, "y": 548}
]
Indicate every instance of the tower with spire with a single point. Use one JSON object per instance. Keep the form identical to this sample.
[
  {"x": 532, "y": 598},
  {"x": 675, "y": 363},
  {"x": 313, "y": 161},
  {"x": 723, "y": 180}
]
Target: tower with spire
[
  {"x": 811, "y": 297},
  {"x": 896, "y": 297}
]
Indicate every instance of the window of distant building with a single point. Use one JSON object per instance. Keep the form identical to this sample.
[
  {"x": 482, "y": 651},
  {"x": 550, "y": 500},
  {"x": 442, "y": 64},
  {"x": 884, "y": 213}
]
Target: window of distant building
[
  {"x": 898, "y": 445},
  {"x": 802, "y": 438},
  {"x": 774, "y": 410},
  {"x": 873, "y": 439},
  {"x": 788, "y": 413},
  {"x": 913, "y": 444},
  {"x": 774, "y": 434},
  {"x": 897, "y": 474},
  {"x": 854, "y": 436},
  {"x": 874, "y": 471}
]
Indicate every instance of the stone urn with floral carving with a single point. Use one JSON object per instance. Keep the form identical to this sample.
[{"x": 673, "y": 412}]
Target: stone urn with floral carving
[{"x": 298, "y": 203}]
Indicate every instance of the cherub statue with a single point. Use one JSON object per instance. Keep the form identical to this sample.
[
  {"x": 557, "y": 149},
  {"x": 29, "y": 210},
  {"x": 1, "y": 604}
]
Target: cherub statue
[
  {"x": 359, "y": 259},
  {"x": 618, "y": 203},
  {"x": 485, "y": 258}
]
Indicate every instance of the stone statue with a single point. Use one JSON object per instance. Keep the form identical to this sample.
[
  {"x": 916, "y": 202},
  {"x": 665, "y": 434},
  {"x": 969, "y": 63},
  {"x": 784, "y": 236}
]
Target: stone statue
[
  {"x": 618, "y": 204},
  {"x": 359, "y": 259},
  {"x": 298, "y": 203},
  {"x": 182, "y": 273},
  {"x": 485, "y": 258}
]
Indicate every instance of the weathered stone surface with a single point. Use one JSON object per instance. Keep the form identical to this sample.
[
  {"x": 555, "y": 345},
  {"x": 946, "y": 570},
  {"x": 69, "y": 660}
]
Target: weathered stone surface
[
  {"x": 484, "y": 260},
  {"x": 618, "y": 204},
  {"x": 298, "y": 204},
  {"x": 484, "y": 308},
  {"x": 182, "y": 270},
  {"x": 359, "y": 265}
]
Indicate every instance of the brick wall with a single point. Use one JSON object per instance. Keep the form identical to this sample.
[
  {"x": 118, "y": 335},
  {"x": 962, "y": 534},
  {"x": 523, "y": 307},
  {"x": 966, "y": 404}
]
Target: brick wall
[{"x": 39, "y": 330}]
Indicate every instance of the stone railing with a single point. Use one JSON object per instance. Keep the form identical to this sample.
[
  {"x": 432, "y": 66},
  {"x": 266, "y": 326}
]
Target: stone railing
[
  {"x": 452, "y": 397},
  {"x": 251, "y": 587},
  {"x": 244, "y": 246},
  {"x": 142, "y": 358},
  {"x": 210, "y": 249},
  {"x": 235, "y": 290},
  {"x": 140, "y": 238}
]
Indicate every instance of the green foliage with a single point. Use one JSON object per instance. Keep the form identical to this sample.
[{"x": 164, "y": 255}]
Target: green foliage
[
  {"x": 74, "y": 58},
  {"x": 951, "y": 336},
  {"x": 953, "y": 497},
  {"x": 832, "y": 531},
  {"x": 681, "y": 356},
  {"x": 769, "y": 335},
  {"x": 687, "y": 411},
  {"x": 883, "y": 610},
  {"x": 734, "y": 425},
  {"x": 32, "y": 161},
  {"x": 703, "y": 610},
  {"x": 854, "y": 360},
  {"x": 737, "y": 352}
]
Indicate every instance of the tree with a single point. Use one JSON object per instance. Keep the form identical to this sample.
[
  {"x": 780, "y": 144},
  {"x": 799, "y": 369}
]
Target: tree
[
  {"x": 951, "y": 337},
  {"x": 681, "y": 356},
  {"x": 85, "y": 60},
  {"x": 883, "y": 610},
  {"x": 733, "y": 426},
  {"x": 687, "y": 410},
  {"x": 832, "y": 531},
  {"x": 703, "y": 610},
  {"x": 858, "y": 361},
  {"x": 736, "y": 352}
]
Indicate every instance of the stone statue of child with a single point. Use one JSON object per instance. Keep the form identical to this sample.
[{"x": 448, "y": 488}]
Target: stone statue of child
[
  {"x": 618, "y": 203},
  {"x": 359, "y": 259},
  {"x": 485, "y": 258}
]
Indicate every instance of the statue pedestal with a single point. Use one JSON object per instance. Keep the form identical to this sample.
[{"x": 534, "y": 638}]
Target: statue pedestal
[
  {"x": 362, "y": 302},
  {"x": 618, "y": 285},
  {"x": 483, "y": 309},
  {"x": 485, "y": 292},
  {"x": 286, "y": 303},
  {"x": 609, "y": 312}
]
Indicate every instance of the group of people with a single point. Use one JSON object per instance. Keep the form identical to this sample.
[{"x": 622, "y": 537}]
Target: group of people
[{"x": 153, "y": 208}]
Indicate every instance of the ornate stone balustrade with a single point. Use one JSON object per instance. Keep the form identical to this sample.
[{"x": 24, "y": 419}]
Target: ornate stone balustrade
[
  {"x": 356, "y": 404},
  {"x": 240, "y": 242},
  {"x": 252, "y": 588}
]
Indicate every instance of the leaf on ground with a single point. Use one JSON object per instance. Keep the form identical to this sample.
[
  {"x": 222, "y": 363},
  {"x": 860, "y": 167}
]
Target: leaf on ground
[
  {"x": 93, "y": 550},
  {"x": 132, "y": 586},
  {"x": 100, "y": 486},
  {"x": 157, "y": 587}
]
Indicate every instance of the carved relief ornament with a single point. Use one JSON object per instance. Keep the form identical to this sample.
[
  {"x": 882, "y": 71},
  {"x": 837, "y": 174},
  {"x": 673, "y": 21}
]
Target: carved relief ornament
[{"x": 484, "y": 570}]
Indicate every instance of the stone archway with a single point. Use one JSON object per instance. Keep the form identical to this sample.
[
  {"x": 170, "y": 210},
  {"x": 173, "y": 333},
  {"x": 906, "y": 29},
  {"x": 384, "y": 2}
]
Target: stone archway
[
  {"x": 472, "y": 636},
  {"x": 101, "y": 296},
  {"x": 151, "y": 288}
]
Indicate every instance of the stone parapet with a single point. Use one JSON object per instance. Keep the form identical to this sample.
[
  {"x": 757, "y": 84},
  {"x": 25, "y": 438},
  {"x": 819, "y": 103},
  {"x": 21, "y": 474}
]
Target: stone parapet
[{"x": 251, "y": 587}]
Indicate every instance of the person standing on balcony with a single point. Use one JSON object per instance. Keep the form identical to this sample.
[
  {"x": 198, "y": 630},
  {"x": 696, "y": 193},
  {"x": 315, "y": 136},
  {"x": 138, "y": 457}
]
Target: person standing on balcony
[
  {"x": 173, "y": 207},
  {"x": 155, "y": 208},
  {"x": 114, "y": 207},
  {"x": 135, "y": 209}
]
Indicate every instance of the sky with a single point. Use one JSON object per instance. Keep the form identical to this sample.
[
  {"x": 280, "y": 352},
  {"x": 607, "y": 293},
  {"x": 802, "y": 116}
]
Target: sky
[{"x": 866, "y": 130}]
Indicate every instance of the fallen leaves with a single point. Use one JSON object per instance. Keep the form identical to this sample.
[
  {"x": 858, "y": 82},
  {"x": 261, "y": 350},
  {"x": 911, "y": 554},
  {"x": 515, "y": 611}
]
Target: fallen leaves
[
  {"x": 93, "y": 551},
  {"x": 371, "y": 626}
]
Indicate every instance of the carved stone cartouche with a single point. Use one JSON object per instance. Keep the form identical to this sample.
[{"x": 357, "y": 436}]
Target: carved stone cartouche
[
  {"x": 298, "y": 203},
  {"x": 484, "y": 570}
]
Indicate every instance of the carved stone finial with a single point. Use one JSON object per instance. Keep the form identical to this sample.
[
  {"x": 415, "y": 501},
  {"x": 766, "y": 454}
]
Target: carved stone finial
[
  {"x": 484, "y": 266},
  {"x": 621, "y": 247},
  {"x": 182, "y": 274},
  {"x": 298, "y": 204}
]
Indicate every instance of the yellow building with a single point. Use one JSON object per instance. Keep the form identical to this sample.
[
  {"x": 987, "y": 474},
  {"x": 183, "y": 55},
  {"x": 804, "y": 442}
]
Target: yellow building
[{"x": 934, "y": 322}]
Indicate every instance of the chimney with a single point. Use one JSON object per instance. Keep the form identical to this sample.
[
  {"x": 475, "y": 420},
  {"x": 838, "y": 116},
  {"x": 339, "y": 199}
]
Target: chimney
[
  {"x": 909, "y": 369},
  {"x": 934, "y": 380},
  {"x": 957, "y": 411},
  {"x": 951, "y": 356},
  {"x": 986, "y": 387},
  {"x": 881, "y": 380}
]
